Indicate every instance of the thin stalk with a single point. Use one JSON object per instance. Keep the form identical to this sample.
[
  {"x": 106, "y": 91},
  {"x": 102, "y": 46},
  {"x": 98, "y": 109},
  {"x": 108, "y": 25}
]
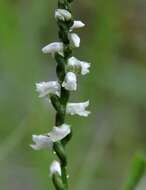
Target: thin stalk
[{"x": 59, "y": 147}]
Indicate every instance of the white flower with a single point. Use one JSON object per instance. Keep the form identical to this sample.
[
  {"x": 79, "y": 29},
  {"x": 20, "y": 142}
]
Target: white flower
[
  {"x": 55, "y": 168},
  {"x": 77, "y": 64},
  {"x": 84, "y": 67},
  {"x": 62, "y": 14},
  {"x": 41, "y": 142},
  {"x": 46, "y": 141},
  {"x": 55, "y": 47},
  {"x": 78, "y": 108},
  {"x": 70, "y": 82},
  {"x": 77, "y": 24},
  {"x": 74, "y": 40},
  {"x": 59, "y": 133},
  {"x": 45, "y": 88}
]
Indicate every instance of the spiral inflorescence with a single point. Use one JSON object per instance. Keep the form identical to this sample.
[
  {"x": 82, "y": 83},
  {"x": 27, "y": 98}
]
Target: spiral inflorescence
[{"x": 67, "y": 69}]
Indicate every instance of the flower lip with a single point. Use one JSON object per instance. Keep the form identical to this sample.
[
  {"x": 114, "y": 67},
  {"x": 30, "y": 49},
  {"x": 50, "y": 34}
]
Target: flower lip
[
  {"x": 46, "y": 88},
  {"x": 41, "y": 142},
  {"x": 78, "y": 109}
]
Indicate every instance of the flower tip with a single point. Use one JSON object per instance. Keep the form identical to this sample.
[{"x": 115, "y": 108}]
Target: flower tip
[
  {"x": 33, "y": 147},
  {"x": 81, "y": 24},
  {"x": 44, "y": 50},
  {"x": 77, "y": 24},
  {"x": 86, "y": 114},
  {"x": 87, "y": 103}
]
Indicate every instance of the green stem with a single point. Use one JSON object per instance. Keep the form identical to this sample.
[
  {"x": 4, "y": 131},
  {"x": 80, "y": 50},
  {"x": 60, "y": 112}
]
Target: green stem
[
  {"x": 64, "y": 177},
  {"x": 60, "y": 103},
  {"x": 57, "y": 181}
]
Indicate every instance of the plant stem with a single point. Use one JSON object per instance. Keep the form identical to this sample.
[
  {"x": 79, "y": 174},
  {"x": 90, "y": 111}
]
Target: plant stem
[{"x": 60, "y": 104}]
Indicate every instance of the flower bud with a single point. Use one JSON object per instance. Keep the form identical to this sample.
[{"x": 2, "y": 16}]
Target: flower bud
[
  {"x": 55, "y": 168},
  {"x": 62, "y": 14}
]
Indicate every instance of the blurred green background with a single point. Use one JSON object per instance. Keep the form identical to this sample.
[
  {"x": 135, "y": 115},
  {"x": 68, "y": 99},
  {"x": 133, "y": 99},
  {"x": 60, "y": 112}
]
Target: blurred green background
[{"x": 103, "y": 145}]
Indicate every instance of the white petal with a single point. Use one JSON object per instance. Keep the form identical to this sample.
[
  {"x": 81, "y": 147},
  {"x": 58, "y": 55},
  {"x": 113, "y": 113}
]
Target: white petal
[
  {"x": 55, "y": 47},
  {"x": 84, "y": 67},
  {"x": 45, "y": 88},
  {"x": 72, "y": 61},
  {"x": 55, "y": 168},
  {"x": 77, "y": 64},
  {"x": 59, "y": 133},
  {"x": 77, "y": 24},
  {"x": 78, "y": 108},
  {"x": 41, "y": 142},
  {"x": 62, "y": 14},
  {"x": 74, "y": 40},
  {"x": 70, "y": 82}
]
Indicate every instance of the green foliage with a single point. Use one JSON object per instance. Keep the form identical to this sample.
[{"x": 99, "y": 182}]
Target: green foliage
[{"x": 137, "y": 172}]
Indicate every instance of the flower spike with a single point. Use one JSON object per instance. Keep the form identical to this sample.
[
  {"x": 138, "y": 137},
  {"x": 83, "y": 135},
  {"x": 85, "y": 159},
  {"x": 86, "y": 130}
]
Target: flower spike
[{"x": 67, "y": 70}]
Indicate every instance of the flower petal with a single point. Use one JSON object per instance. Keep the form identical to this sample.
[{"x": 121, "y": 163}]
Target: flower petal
[
  {"x": 59, "y": 133},
  {"x": 77, "y": 24},
  {"x": 45, "y": 88},
  {"x": 41, "y": 142},
  {"x": 78, "y": 65},
  {"x": 78, "y": 109},
  {"x": 55, "y": 47}
]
